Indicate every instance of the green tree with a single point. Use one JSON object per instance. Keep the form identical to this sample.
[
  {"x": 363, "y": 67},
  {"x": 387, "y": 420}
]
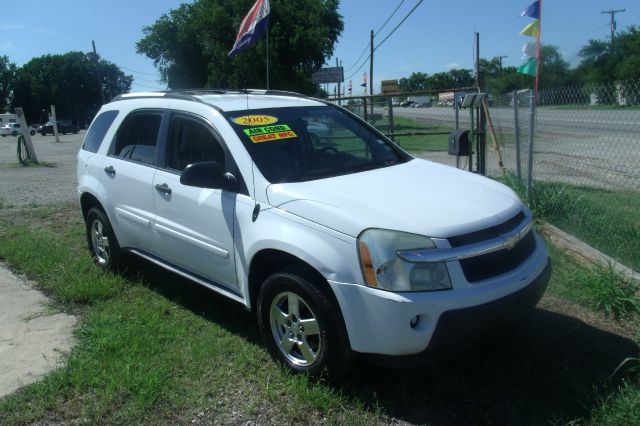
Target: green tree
[
  {"x": 602, "y": 64},
  {"x": 416, "y": 81},
  {"x": 189, "y": 45},
  {"x": 7, "y": 82},
  {"x": 554, "y": 72},
  {"x": 69, "y": 82},
  {"x": 442, "y": 80}
]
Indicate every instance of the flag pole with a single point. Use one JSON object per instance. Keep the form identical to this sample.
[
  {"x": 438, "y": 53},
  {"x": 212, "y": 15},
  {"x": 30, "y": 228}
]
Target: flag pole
[
  {"x": 268, "y": 55},
  {"x": 538, "y": 49}
]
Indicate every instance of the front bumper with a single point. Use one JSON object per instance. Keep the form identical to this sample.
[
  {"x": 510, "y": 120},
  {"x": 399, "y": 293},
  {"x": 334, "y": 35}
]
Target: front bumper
[
  {"x": 384, "y": 323},
  {"x": 459, "y": 327}
]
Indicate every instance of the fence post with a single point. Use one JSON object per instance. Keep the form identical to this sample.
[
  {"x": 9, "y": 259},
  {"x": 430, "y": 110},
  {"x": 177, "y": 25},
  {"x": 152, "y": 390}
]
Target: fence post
[
  {"x": 364, "y": 103},
  {"x": 391, "y": 119},
  {"x": 532, "y": 121},
  {"x": 515, "y": 100}
]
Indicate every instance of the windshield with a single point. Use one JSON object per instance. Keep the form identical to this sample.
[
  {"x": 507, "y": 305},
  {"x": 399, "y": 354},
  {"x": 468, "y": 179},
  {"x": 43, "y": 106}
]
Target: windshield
[{"x": 305, "y": 143}]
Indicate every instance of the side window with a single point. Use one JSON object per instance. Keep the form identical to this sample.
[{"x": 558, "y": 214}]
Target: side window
[
  {"x": 98, "y": 129},
  {"x": 137, "y": 137},
  {"x": 191, "y": 141}
]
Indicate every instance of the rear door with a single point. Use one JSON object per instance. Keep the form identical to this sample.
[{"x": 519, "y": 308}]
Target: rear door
[
  {"x": 127, "y": 176},
  {"x": 194, "y": 225}
]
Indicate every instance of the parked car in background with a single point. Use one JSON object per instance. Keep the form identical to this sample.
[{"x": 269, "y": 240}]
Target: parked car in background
[
  {"x": 64, "y": 127},
  {"x": 13, "y": 129}
]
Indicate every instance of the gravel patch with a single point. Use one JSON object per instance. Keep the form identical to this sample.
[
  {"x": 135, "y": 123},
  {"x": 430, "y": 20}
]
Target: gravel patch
[{"x": 52, "y": 182}]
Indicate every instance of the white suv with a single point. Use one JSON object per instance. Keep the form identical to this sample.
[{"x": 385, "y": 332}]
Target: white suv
[{"x": 340, "y": 241}]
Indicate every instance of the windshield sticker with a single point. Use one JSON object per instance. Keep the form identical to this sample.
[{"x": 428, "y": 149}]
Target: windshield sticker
[
  {"x": 255, "y": 120},
  {"x": 273, "y": 136},
  {"x": 266, "y": 129}
]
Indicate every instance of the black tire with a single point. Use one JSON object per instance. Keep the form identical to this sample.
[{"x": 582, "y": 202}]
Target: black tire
[
  {"x": 43, "y": 133},
  {"x": 106, "y": 256},
  {"x": 33, "y": 132},
  {"x": 14, "y": 134},
  {"x": 323, "y": 346}
]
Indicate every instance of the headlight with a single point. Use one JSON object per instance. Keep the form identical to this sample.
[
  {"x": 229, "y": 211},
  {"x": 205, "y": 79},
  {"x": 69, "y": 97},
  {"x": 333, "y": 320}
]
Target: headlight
[{"x": 384, "y": 269}]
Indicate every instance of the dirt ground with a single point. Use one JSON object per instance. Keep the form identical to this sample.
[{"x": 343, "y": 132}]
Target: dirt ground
[{"x": 52, "y": 182}]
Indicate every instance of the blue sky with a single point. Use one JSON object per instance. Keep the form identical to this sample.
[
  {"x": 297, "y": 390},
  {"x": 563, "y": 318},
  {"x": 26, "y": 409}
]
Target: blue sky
[{"x": 436, "y": 37}]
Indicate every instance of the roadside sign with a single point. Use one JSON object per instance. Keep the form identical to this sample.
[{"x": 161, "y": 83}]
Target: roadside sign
[
  {"x": 390, "y": 87},
  {"x": 328, "y": 75}
]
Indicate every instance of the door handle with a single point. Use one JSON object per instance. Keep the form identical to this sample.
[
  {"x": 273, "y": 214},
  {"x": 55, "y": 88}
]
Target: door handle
[
  {"x": 164, "y": 188},
  {"x": 110, "y": 171}
]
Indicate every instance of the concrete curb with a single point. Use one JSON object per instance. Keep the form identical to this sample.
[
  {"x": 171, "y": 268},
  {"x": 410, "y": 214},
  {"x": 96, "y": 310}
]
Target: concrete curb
[{"x": 33, "y": 336}]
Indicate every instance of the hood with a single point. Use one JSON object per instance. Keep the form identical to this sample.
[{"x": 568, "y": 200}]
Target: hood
[{"x": 420, "y": 196}]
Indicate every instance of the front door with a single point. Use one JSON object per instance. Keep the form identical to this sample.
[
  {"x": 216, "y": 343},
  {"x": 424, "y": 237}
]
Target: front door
[{"x": 194, "y": 225}]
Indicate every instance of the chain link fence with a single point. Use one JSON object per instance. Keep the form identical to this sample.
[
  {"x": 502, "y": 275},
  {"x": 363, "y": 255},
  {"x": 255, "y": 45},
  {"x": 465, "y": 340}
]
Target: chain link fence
[{"x": 586, "y": 136}]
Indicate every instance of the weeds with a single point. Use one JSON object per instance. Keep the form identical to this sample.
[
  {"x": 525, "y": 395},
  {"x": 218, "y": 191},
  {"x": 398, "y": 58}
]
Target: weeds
[
  {"x": 547, "y": 201},
  {"x": 612, "y": 294}
]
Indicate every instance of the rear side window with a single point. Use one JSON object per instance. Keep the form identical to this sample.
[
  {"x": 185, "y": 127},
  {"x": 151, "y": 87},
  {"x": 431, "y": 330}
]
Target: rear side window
[
  {"x": 98, "y": 129},
  {"x": 137, "y": 137}
]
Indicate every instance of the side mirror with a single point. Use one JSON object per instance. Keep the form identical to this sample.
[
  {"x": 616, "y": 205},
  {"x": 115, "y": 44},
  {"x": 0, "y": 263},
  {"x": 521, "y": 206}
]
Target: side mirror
[{"x": 207, "y": 174}]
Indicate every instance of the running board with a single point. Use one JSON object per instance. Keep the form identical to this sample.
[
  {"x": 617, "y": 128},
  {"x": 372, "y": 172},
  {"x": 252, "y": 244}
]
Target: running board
[{"x": 190, "y": 277}]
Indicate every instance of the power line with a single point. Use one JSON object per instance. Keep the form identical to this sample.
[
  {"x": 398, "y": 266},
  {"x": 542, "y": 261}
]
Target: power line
[
  {"x": 137, "y": 72},
  {"x": 376, "y": 33},
  {"x": 386, "y": 38},
  {"x": 389, "y": 18},
  {"x": 398, "y": 26},
  {"x": 145, "y": 79}
]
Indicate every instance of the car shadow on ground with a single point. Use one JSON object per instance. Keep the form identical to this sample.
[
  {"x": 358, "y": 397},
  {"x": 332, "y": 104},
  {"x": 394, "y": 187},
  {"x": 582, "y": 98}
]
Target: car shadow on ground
[{"x": 551, "y": 369}]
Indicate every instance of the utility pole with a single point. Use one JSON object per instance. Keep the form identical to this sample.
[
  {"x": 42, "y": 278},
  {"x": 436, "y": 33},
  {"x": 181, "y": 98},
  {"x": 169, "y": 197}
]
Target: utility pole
[
  {"x": 612, "y": 13},
  {"x": 337, "y": 66},
  {"x": 500, "y": 59},
  {"x": 95, "y": 58},
  {"x": 477, "y": 65},
  {"x": 371, "y": 73}
]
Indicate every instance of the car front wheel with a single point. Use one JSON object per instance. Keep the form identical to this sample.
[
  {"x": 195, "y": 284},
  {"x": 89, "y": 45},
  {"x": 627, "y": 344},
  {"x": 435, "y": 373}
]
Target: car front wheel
[
  {"x": 299, "y": 326},
  {"x": 103, "y": 245}
]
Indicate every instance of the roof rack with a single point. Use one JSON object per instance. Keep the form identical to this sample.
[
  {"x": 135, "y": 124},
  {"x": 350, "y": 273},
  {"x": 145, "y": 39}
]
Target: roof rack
[{"x": 191, "y": 94}]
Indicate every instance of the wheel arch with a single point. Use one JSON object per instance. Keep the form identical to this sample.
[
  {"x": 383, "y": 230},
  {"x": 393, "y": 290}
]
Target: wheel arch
[
  {"x": 269, "y": 261},
  {"x": 87, "y": 201}
]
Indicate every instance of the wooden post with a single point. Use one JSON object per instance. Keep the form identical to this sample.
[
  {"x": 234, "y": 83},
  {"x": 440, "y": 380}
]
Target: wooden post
[
  {"x": 27, "y": 135},
  {"x": 493, "y": 134},
  {"x": 55, "y": 123}
]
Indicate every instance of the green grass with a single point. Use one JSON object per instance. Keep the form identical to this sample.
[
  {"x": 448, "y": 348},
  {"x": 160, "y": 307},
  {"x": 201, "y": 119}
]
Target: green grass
[
  {"x": 418, "y": 143},
  {"x": 599, "y": 289},
  {"x": 155, "y": 349},
  {"x": 605, "y": 219}
]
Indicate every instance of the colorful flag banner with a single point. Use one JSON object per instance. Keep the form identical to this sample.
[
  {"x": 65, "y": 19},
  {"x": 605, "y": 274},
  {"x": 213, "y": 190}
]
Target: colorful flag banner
[
  {"x": 529, "y": 68},
  {"x": 349, "y": 87},
  {"x": 252, "y": 27},
  {"x": 529, "y": 50},
  {"x": 531, "y": 30},
  {"x": 532, "y": 11},
  {"x": 364, "y": 80}
]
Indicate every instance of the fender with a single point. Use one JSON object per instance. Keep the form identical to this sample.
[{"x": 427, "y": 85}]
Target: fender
[{"x": 332, "y": 254}]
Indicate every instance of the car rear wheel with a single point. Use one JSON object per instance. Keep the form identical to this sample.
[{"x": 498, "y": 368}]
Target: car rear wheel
[
  {"x": 299, "y": 326},
  {"x": 15, "y": 133},
  {"x": 103, "y": 244}
]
